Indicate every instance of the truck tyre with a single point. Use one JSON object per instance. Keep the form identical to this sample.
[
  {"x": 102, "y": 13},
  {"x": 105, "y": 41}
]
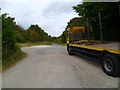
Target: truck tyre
[
  {"x": 110, "y": 65},
  {"x": 69, "y": 50}
]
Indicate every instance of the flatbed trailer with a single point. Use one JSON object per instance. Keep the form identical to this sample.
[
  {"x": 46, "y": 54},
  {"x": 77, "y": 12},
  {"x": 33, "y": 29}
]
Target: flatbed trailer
[{"x": 107, "y": 53}]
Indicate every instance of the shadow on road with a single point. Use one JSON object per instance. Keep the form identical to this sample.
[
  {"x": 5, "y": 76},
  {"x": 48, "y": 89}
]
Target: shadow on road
[{"x": 93, "y": 61}]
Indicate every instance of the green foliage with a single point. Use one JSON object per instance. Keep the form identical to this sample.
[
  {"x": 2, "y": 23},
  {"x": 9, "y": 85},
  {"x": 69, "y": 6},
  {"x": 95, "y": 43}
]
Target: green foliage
[
  {"x": 75, "y": 22},
  {"x": 61, "y": 39},
  {"x": 57, "y": 40},
  {"x": 20, "y": 34},
  {"x": 29, "y": 44},
  {"x": 89, "y": 10},
  {"x": 10, "y": 51},
  {"x": 36, "y": 34},
  {"x": 8, "y": 39},
  {"x": 110, "y": 18},
  {"x": 64, "y": 37},
  {"x": 12, "y": 58},
  {"x": 13, "y": 34}
]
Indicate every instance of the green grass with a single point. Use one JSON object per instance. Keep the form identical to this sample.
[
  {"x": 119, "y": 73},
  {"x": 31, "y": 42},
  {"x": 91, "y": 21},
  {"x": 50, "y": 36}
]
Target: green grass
[
  {"x": 13, "y": 59},
  {"x": 33, "y": 44},
  {"x": 15, "y": 56},
  {"x": 63, "y": 44}
]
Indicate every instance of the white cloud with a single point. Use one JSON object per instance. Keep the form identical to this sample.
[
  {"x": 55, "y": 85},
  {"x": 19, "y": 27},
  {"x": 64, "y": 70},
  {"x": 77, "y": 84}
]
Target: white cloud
[
  {"x": 50, "y": 16},
  {"x": 41, "y": 1}
]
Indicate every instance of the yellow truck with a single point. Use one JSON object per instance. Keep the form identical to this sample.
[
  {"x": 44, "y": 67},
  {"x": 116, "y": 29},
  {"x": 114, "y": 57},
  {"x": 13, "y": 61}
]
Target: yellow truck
[{"x": 107, "y": 53}]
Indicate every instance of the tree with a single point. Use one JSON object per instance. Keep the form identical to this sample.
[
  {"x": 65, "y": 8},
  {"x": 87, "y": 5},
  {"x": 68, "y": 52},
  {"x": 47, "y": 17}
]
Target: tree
[
  {"x": 20, "y": 34},
  {"x": 77, "y": 21},
  {"x": 8, "y": 39},
  {"x": 36, "y": 34},
  {"x": 109, "y": 13},
  {"x": 9, "y": 47},
  {"x": 63, "y": 37}
]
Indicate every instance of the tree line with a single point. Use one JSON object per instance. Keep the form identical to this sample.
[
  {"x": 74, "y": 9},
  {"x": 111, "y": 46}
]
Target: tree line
[
  {"x": 89, "y": 15},
  {"x": 13, "y": 34}
]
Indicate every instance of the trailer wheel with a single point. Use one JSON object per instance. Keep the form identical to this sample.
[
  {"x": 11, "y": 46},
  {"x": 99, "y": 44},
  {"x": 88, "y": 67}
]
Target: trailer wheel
[
  {"x": 69, "y": 50},
  {"x": 110, "y": 65}
]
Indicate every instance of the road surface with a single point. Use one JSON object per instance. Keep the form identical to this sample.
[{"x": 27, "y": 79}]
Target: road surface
[{"x": 52, "y": 67}]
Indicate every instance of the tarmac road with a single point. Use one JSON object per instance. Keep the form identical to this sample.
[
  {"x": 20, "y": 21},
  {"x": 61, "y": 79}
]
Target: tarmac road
[{"x": 52, "y": 67}]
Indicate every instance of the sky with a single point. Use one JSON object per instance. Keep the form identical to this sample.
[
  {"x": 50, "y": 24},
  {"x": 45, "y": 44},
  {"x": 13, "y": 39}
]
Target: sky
[{"x": 51, "y": 15}]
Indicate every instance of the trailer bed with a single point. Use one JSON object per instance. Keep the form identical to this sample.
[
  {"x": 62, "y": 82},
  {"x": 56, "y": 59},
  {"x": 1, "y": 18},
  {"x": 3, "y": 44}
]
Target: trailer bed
[{"x": 111, "y": 47}]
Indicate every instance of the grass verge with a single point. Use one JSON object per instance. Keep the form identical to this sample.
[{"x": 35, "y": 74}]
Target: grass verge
[
  {"x": 13, "y": 60},
  {"x": 63, "y": 44},
  {"x": 33, "y": 44},
  {"x": 14, "y": 56}
]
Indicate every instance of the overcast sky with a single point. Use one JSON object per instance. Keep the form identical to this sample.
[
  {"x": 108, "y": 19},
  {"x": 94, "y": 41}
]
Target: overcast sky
[{"x": 50, "y": 15}]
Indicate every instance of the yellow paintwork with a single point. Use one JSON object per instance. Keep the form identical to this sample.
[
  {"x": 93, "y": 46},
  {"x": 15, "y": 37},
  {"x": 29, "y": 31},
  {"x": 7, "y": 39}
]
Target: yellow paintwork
[
  {"x": 98, "y": 49},
  {"x": 67, "y": 40},
  {"x": 81, "y": 29},
  {"x": 75, "y": 29}
]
